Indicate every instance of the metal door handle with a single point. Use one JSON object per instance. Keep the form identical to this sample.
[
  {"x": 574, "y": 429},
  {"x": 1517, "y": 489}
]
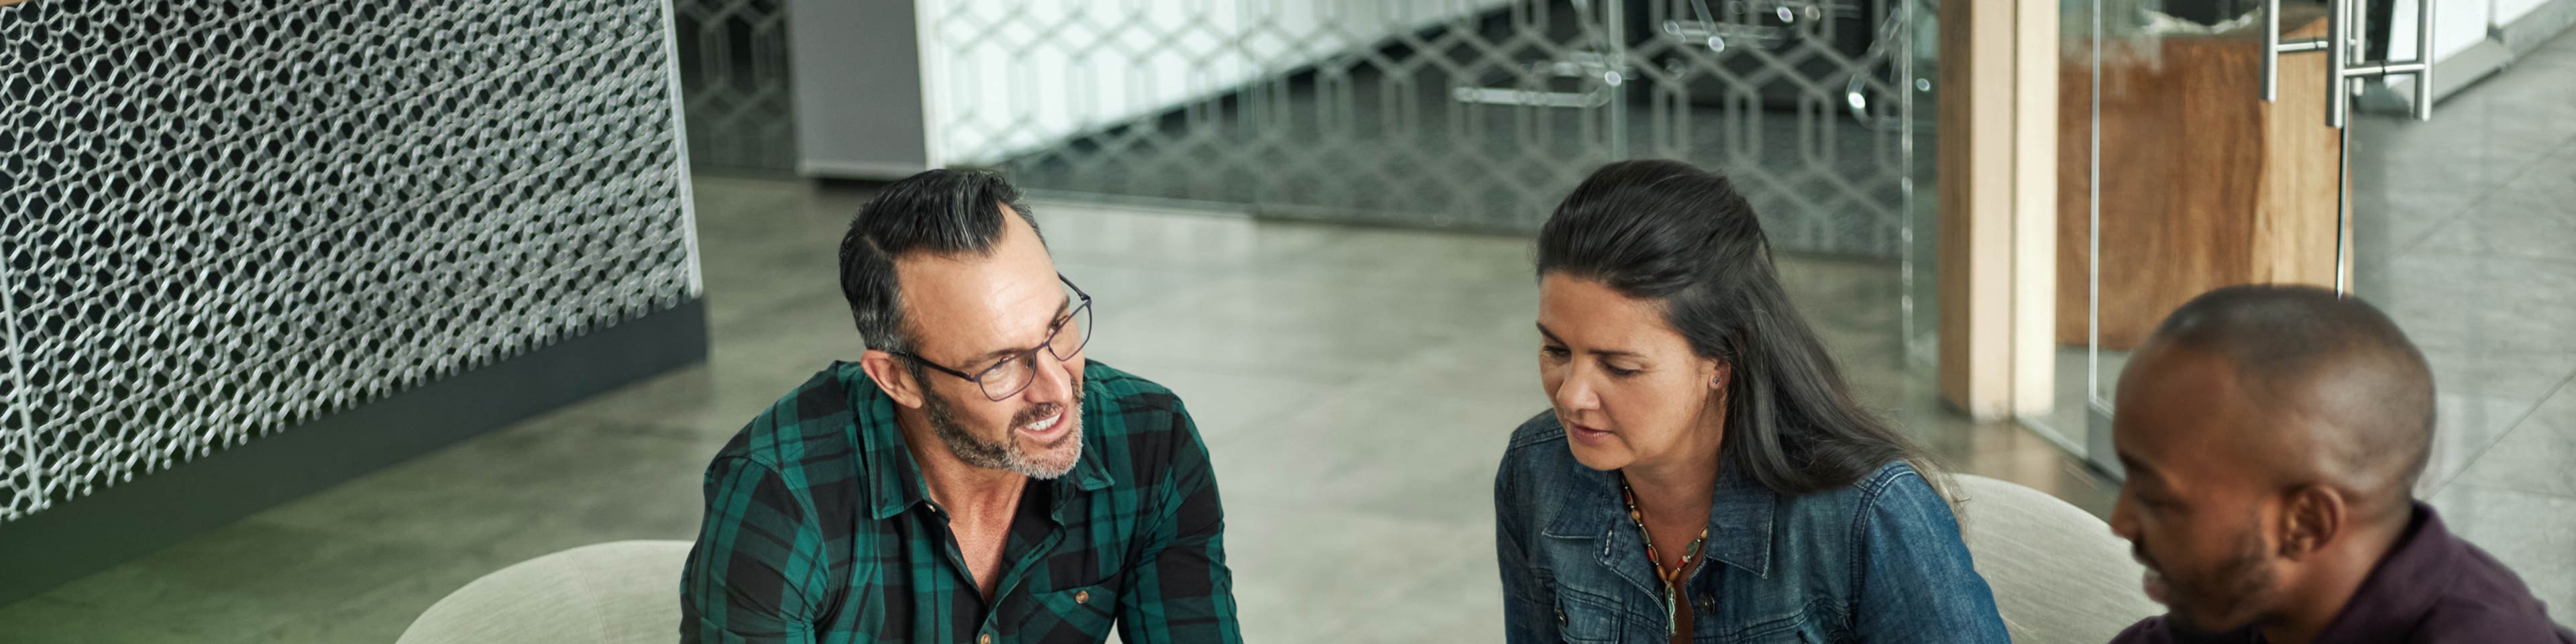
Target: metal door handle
[
  {"x": 2422, "y": 99},
  {"x": 2342, "y": 72},
  {"x": 2273, "y": 47},
  {"x": 2424, "y": 55},
  {"x": 2339, "y": 34}
]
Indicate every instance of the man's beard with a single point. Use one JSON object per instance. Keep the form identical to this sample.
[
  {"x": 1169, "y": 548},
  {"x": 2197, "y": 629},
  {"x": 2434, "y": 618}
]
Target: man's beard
[
  {"x": 2239, "y": 590},
  {"x": 1007, "y": 454}
]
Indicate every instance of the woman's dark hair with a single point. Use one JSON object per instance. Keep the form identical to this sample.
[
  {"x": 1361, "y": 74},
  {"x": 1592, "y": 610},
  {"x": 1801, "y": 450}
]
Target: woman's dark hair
[{"x": 1666, "y": 231}]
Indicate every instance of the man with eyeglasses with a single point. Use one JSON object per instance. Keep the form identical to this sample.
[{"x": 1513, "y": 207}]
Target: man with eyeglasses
[{"x": 972, "y": 478}]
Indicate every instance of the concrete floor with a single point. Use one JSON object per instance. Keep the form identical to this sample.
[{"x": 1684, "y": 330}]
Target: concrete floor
[{"x": 1355, "y": 385}]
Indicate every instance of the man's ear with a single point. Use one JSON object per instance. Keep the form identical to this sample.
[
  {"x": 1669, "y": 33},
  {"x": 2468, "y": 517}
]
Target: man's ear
[
  {"x": 2315, "y": 516},
  {"x": 896, "y": 381}
]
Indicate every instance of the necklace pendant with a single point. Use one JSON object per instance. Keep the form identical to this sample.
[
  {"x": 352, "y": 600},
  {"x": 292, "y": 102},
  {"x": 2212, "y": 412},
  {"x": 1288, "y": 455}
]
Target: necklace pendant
[{"x": 1672, "y": 614}]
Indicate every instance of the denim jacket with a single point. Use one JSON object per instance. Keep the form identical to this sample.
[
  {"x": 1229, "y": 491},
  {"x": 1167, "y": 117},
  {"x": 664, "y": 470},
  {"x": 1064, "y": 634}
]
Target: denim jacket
[{"x": 1879, "y": 561}]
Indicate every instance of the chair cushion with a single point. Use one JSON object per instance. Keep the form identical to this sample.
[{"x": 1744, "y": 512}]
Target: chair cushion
[
  {"x": 609, "y": 593},
  {"x": 2058, "y": 573}
]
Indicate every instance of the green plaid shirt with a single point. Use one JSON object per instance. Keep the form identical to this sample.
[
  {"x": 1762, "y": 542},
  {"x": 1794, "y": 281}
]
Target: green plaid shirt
[{"x": 818, "y": 529}]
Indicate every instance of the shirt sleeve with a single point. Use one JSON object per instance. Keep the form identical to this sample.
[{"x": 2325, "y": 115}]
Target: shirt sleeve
[
  {"x": 2147, "y": 631},
  {"x": 756, "y": 574},
  {"x": 1179, "y": 589},
  {"x": 1918, "y": 583},
  {"x": 1528, "y": 614},
  {"x": 2471, "y": 618}
]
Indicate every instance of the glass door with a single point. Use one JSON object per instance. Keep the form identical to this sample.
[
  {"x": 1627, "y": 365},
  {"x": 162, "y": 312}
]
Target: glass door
[{"x": 2202, "y": 144}]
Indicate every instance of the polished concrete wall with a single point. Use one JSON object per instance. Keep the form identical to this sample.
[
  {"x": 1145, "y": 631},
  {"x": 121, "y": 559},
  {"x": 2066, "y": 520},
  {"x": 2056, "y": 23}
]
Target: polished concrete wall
[{"x": 857, "y": 71}]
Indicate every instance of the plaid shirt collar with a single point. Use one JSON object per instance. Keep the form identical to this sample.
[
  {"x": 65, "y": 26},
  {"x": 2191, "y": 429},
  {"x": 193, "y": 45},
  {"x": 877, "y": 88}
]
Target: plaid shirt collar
[{"x": 894, "y": 479}]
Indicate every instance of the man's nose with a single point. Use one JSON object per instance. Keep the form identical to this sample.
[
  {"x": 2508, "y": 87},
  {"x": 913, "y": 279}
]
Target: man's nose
[{"x": 1049, "y": 381}]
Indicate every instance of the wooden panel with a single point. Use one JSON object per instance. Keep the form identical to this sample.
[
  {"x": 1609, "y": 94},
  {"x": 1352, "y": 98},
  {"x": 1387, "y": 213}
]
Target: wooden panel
[
  {"x": 1975, "y": 175},
  {"x": 2295, "y": 235},
  {"x": 1996, "y": 273},
  {"x": 2033, "y": 352},
  {"x": 2203, "y": 184}
]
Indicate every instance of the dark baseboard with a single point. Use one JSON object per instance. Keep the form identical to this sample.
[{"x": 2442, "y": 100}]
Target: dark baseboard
[{"x": 119, "y": 523}]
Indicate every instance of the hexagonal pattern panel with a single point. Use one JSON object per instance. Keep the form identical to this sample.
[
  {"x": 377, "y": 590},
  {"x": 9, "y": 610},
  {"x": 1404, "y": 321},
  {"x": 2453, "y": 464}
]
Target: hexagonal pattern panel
[
  {"x": 219, "y": 219},
  {"x": 734, "y": 82},
  {"x": 1475, "y": 114}
]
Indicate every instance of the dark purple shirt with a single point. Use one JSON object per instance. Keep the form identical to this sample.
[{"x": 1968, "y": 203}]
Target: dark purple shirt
[{"x": 2432, "y": 587}]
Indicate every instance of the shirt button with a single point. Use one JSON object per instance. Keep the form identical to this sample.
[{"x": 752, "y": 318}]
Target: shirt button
[{"x": 1082, "y": 597}]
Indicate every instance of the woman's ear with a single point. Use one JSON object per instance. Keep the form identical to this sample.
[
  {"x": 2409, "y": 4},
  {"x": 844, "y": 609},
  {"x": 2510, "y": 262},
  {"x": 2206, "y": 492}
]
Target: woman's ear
[{"x": 1720, "y": 376}]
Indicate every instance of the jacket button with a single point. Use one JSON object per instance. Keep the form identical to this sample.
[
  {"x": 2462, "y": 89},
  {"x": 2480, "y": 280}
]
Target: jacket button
[
  {"x": 987, "y": 638},
  {"x": 1082, "y": 597}
]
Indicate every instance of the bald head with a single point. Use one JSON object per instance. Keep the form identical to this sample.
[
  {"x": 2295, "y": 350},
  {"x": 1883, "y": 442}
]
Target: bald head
[{"x": 2347, "y": 400}]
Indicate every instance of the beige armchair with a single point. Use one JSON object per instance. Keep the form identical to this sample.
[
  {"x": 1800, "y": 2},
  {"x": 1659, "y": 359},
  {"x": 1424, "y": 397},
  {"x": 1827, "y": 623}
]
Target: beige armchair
[
  {"x": 611, "y": 593},
  {"x": 2058, "y": 573}
]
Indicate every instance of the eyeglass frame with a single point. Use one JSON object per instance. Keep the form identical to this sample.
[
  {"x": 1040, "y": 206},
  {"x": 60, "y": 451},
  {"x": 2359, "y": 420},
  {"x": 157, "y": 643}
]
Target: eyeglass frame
[{"x": 1028, "y": 354}]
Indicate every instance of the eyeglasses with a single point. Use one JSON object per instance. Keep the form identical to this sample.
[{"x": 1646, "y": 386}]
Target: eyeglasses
[{"x": 1013, "y": 373}]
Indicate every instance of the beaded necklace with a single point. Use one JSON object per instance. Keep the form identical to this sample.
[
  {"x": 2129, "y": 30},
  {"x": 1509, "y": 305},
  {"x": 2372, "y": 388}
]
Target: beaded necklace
[{"x": 1670, "y": 576}]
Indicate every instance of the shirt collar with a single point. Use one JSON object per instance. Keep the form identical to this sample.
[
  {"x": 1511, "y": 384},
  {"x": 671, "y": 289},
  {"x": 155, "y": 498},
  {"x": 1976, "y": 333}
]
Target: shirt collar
[
  {"x": 2415, "y": 573},
  {"x": 894, "y": 480},
  {"x": 1739, "y": 522},
  {"x": 1740, "y": 515}
]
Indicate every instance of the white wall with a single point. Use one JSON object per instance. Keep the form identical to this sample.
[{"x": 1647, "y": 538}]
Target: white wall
[
  {"x": 2457, "y": 25},
  {"x": 2507, "y": 11},
  {"x": 1006, "y": 77}
]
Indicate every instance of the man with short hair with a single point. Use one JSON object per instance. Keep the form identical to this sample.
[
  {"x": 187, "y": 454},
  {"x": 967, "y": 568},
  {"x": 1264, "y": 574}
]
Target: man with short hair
[
  {"x": 972, "y": 478},
  {"x": 2272, "y": 436}
]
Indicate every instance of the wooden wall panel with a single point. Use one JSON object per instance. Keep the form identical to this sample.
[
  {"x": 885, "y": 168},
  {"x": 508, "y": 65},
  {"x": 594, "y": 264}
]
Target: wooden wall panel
[{"x": 2203, "y": 185}]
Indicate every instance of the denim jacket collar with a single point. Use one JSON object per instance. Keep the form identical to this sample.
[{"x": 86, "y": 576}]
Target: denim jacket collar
[{"x": 1740, "y": 516}]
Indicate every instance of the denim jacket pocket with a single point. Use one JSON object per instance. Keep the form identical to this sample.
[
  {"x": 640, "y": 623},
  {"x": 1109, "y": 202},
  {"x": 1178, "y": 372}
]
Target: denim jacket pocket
[
  {"x": 1799, "y": 627},
  {"x": 1585, "y": 619}
]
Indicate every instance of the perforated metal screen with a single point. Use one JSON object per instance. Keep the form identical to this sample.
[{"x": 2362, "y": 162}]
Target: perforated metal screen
[
  {"x": 1452, "y": 113},
  {"x": 218, "y": 219}
]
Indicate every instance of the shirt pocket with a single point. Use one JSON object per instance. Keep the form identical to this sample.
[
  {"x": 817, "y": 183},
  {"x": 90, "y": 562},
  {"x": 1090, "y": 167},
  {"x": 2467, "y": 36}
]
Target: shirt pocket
[
  {"x": 1585, "y": 619},
  {"x": 1799, "y": 627},
  {"x": 1079, "y": 614}
]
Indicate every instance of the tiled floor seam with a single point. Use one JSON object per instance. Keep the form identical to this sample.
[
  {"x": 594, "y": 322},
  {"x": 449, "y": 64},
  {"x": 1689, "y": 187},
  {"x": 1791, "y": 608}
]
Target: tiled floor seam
[
  {"x": 2472, "y": 461},
  {"x": 2465, "y": 210},
  {"x": 2551, "y": 259}
]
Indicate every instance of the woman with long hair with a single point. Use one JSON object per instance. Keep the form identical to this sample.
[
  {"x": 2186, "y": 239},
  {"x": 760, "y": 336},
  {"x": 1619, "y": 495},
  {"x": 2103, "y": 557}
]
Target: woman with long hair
[{"x": 1704, "y": 473}]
